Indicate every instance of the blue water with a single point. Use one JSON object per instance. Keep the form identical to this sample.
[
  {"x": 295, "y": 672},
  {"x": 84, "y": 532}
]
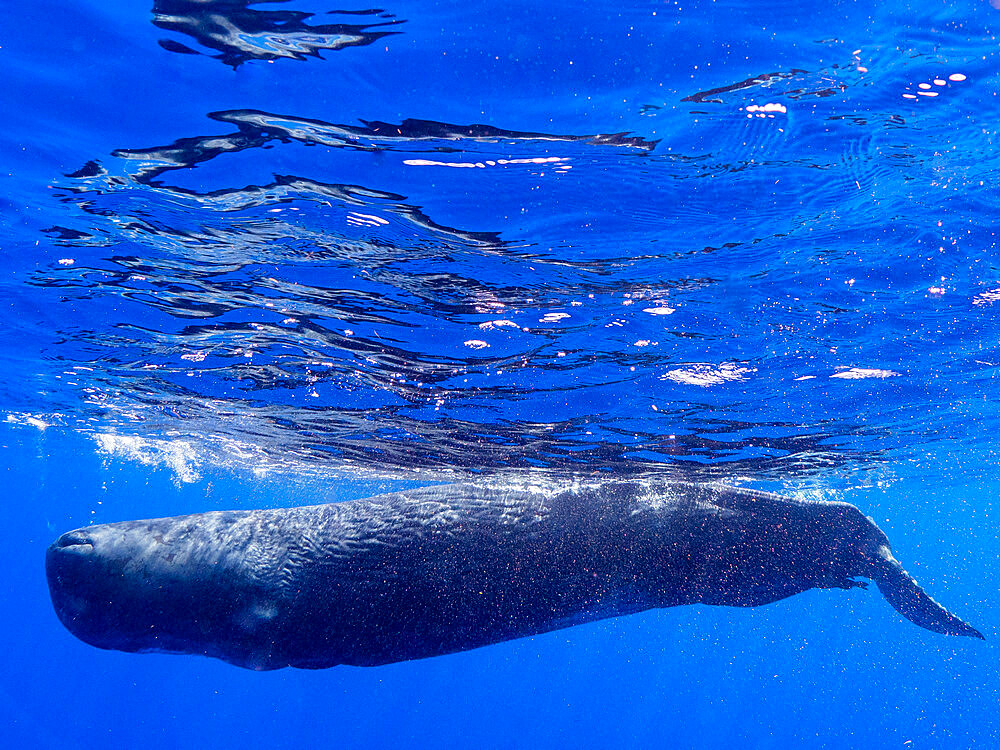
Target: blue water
[{"x": 265, "y": 254}]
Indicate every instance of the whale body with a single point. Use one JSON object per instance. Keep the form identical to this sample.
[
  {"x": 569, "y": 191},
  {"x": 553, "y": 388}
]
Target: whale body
[{"x": 442, "y": 569}]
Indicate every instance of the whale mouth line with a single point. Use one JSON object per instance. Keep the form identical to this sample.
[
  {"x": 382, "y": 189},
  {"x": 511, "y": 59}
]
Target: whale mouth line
[{"x": 74, "y": 541}]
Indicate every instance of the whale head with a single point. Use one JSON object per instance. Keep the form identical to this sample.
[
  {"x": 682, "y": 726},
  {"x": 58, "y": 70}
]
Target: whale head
[{"x": 163, "y": 585}]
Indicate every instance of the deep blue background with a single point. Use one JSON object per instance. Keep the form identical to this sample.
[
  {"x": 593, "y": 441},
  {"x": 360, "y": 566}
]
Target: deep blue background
[{"x": 198, "y": 315}]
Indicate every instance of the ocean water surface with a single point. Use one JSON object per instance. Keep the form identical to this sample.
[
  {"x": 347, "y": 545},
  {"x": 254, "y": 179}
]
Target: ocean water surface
[{"x": 260, "y": 254}]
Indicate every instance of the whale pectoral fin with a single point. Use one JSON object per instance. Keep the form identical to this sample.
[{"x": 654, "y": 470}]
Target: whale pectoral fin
[{"x": 912, "y": 602}]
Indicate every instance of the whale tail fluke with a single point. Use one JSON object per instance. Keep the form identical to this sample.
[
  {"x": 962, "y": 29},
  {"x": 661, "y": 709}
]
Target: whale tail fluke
[{"x": 912, "y": 602}]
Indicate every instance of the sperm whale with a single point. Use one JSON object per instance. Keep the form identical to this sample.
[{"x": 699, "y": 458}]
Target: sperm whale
[{"x": 441, "y": 569}]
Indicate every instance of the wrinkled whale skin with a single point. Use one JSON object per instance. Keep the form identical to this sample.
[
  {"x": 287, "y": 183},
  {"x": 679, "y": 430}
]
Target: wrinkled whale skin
[{"x": 447, "y": 568}]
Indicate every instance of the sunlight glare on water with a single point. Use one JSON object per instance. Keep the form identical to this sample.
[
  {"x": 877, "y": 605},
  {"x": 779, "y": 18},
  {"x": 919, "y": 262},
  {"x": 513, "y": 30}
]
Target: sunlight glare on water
[{"x": 767, "y": 254}]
